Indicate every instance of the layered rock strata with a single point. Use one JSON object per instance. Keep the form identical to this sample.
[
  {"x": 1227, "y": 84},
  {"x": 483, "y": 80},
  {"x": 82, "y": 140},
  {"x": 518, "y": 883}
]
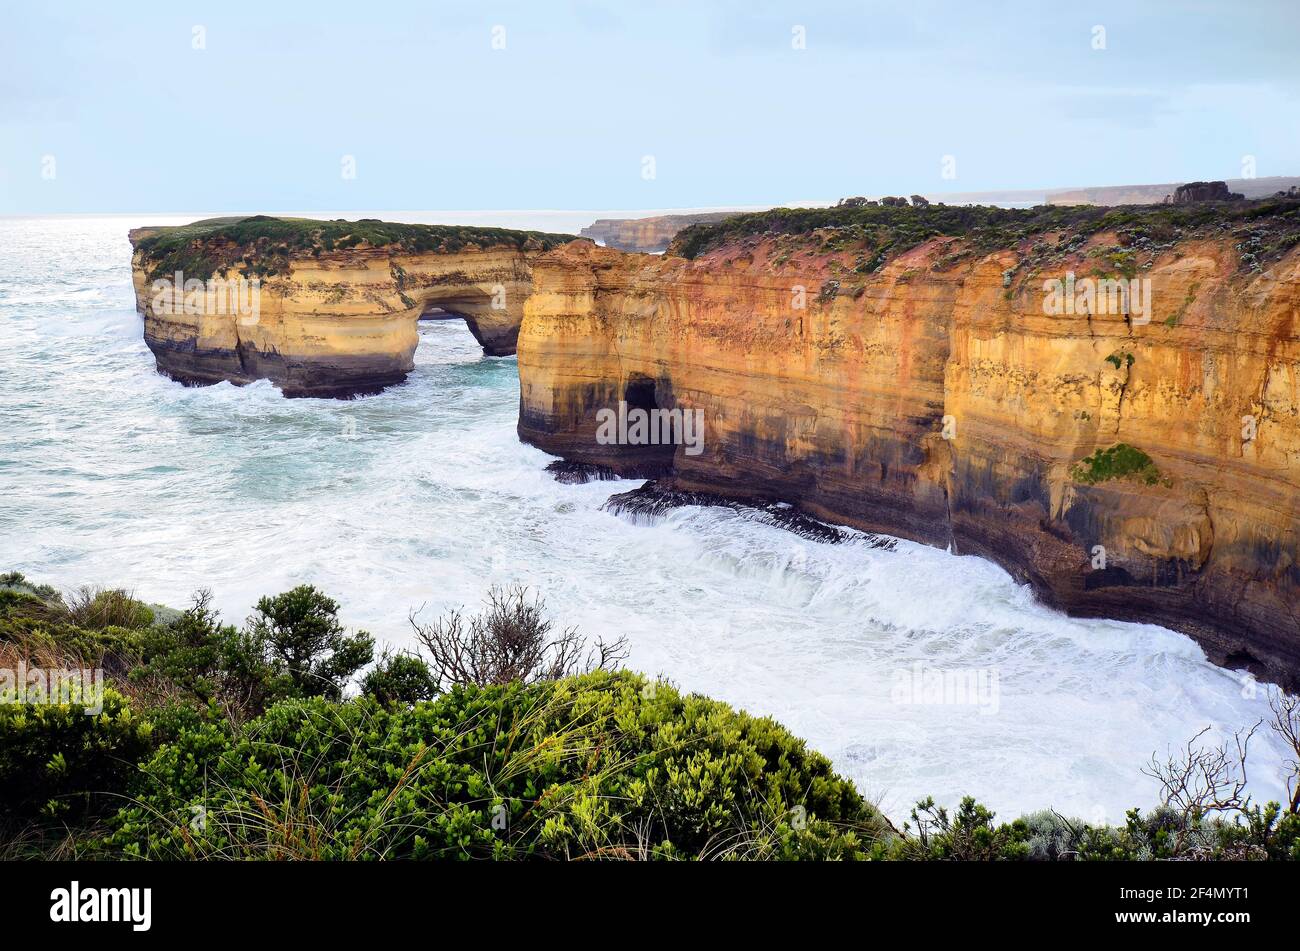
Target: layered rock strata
[
  {"x": 322, "y": 308},
  {"x": 922, "y": 377}
]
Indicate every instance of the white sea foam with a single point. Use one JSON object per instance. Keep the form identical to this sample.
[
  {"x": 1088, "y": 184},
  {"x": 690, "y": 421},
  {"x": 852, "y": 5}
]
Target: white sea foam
[{"x": 423, "y": 495}]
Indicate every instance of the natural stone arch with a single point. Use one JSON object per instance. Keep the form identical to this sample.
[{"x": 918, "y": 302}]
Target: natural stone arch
[
  {"x": 337, "y": 313},
  {"x": 489, "y": 298}
]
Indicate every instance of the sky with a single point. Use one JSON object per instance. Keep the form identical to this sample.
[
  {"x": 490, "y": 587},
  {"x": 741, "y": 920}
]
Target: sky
[{"x": 277, "y": 106}]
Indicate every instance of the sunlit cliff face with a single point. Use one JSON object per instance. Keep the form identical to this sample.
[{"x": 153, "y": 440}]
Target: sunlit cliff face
[
  {"x": 1141, "y": 464},
  {"x": 336, "y": 322}
]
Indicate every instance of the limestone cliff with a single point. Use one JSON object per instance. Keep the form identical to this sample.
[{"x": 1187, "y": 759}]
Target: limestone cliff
[
  {"x": 913, "y": 372},
  {"x": 335, "y": 304}
]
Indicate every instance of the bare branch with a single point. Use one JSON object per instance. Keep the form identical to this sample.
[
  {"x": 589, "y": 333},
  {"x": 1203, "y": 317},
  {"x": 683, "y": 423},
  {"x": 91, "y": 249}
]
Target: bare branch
[
  {"x": 1204, "y": 779},
  {"x": 511, "y": 640},
  {"x": 1286, "y": 724}
]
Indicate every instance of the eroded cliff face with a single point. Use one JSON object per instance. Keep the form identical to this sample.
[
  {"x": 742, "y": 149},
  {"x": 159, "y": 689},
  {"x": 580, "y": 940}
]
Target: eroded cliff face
[
  {"x": 937, "y": 398},
  {"x": 328, "y": 321}
]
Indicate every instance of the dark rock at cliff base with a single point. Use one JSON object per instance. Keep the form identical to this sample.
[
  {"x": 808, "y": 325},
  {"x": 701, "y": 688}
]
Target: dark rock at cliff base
[
  {"x": 1203, "y": 191},
  {"x": 656, "y": 498},
  {"x": 577, "y": 473},
  {"x": 334, "y": 377}
]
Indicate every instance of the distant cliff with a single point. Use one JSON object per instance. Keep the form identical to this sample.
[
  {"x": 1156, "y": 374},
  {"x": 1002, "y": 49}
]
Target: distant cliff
[
  {"x": 336, "y": 302},
  {"x": 1106, "y": 403},
  {"x": 646, "y": 234},
  {"x": 1154, "y": 194}
]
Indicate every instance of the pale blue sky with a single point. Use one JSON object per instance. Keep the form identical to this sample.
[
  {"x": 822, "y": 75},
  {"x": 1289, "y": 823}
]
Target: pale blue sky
[{"x": 137, "y": 120}]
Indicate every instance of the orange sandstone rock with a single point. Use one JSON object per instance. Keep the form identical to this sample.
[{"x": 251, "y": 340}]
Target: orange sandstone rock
[
  {"x": 938, "y": 400},
  {"x": 334, "y": 322}
]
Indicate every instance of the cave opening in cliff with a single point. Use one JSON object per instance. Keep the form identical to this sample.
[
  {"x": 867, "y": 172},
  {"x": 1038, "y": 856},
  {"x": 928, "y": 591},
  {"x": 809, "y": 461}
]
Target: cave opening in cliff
[
  {"x": 654, "y": 457},
  {"x": 640, "y": 394}
]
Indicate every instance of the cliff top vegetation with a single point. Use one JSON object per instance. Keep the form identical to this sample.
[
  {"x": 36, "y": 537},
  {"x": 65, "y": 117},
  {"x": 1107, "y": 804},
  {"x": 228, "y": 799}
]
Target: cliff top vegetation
[
  {"x": 1263, "y": 230},
  {"x": 263, "y": 245}
]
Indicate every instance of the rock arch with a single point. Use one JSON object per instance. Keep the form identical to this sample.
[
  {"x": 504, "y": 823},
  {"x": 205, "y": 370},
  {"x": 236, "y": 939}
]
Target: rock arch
[{"x": 329, "y": 320}]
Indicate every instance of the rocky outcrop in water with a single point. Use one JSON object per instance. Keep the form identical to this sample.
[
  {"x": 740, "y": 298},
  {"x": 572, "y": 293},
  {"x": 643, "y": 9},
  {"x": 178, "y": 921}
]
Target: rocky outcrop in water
[
  {"x": 322, "y": 308},
  {"x": 1106, "y": 404}
]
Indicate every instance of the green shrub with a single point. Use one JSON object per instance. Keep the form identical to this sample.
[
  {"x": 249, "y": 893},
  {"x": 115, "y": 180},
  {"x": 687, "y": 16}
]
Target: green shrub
[
  {"x": 604, "y": 765},
  {"x": 300, "y": 635},
  {"x": 203, "y": 659},
  {"x": 23, "y": 605},
  {"x": 17, "y": 581},
  {"x": 1161, "y": 834},
  {"x": 57, "y": 760},
  {"x": 1257, "y": 832},
  {"x": 293, "y": 646},
  {"x": 22, "y": 614},
  {"x": 399, "y": 678},
  {"x": 968, "y": 835},
  {"x": 1120, "y": 461}
]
